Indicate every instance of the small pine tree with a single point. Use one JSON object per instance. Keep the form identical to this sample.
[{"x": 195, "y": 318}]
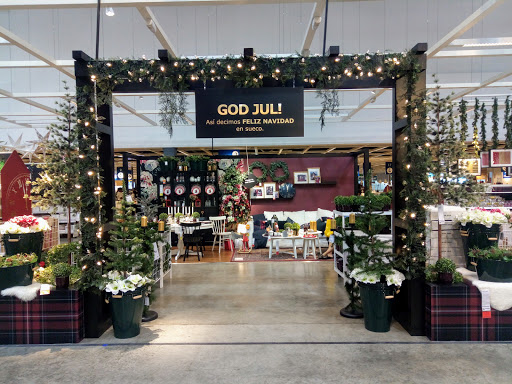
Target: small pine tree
[
  {"x": 126, "y": 252},
  {"x": 483, "y": 124},
  {"x": 507, "y": 125},
  {"x": 476, "y": 118},
  {"x": 495, "y": 121},
  {"x": 463, "y": 121},
  {"x": 59, "y": 185}
]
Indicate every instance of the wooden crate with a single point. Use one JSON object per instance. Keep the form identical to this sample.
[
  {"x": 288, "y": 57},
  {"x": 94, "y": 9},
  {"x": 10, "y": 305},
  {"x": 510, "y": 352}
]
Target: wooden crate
[{"x": 51, "y": 237}]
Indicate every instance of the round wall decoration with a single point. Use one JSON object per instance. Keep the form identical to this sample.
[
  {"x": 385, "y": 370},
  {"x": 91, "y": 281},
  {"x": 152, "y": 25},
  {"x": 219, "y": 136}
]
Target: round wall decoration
[
  {"x": 179, "y": 189},
  {"x": 196, "y": 189},
  {"x": 262, "y": 167},
  {"x": 210, "y": 189},
  {"x": 225, "y": 163},
  {"x": 274, "y": 167},
  {"x": 286, "y": 191},
  {"x": 167, "y": 190}
]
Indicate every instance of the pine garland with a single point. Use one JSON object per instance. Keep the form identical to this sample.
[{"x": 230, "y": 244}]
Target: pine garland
[
  {"x": 482, "y": 127},
  {"x": 463, "y": 116},
  {"x": 507, "y": 125},
  {"x": 495, "y": 121},
  {"x": 274, "y": 166},
  {"x": 476, "y": 110}
]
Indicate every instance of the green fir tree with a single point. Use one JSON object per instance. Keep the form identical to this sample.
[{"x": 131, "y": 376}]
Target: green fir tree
[
  {"x": 476, "y": 118},
  {"x": 495, "y": 122},
  {"x": 483, "y": 129},
  {"x": 463, "y": 117},
  {"x": 58, "y": 184},
  {"x": 507, "y": 125},
  {"x": 126, "y": 252}
]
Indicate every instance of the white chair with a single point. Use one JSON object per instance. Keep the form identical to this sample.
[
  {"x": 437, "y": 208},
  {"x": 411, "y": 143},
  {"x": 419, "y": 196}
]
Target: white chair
[{"x": 219, "y": 231}]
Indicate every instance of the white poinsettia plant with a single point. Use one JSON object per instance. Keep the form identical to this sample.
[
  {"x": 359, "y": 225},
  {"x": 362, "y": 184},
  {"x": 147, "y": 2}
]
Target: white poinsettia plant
[
  {"x": 483, "y": 216},
  {"x": 24, "y": 224},
  {"x": 116, "y": 282},
  {"x": 361, "y": 276}
]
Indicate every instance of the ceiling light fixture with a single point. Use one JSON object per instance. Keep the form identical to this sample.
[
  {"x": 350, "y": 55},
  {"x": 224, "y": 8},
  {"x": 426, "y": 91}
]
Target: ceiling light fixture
[
  {"x": 109, "y": 11},
  {"x": 482, "y": 42}
]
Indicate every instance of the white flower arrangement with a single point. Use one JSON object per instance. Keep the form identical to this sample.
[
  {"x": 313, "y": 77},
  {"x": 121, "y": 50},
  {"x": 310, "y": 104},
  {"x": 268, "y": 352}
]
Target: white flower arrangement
[
  {"x": 24, "y": 224},
  {"x": 486, "y": 217},
  {"x": 115, "y": 282},
  {"x": 395, "y": 278}
]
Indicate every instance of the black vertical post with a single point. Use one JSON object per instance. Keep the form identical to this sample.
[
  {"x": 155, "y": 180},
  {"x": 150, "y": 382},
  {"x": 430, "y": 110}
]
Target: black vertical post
[
  {"x": 366, "y": 169},
  {"x": 125, "y": 169}
]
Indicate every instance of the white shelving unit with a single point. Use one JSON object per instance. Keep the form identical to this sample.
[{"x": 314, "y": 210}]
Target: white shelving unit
[{"x": 340, "y": 253}]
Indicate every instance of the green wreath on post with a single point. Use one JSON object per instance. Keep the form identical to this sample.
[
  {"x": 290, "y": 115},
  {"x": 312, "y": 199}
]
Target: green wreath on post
[
  {"x": 262, "y": 167},
  {"x": 274, "y": 167}
]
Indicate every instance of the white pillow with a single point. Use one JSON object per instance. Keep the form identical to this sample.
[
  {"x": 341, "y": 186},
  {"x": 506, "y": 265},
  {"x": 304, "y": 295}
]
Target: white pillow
[
  {"x": 310, "y": 216},
  {"x": 296, "y": 216},
  {"x": 280, "y": 215},
  {"x": 323, "y": 213}
]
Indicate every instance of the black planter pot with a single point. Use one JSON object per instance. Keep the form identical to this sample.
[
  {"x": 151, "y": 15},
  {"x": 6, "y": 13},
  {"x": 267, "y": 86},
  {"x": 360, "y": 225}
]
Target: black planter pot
[
  {"x": 62, "y": 282},
  {"x": 479, "y": 236},
  {"x": 97, "y": 316},
  {"x": 494, "y": 270},
  {"x": 377, "y": 306},
  {"x": 127, "y": 313},
  {"x": 445, "y": 277},
  {"x": 409, "y": 306},
  {"x": 16, "y": 276},
  {"x": 24, "y": 243}
]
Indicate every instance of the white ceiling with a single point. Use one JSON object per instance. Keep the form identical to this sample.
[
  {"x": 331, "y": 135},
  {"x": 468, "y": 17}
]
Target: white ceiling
[{"x": 49, "y": 30}]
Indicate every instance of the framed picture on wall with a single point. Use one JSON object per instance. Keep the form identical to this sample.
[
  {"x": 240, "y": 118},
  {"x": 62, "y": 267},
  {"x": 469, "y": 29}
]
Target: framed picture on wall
[
  {"x": 268, "y": 190},
  {"x": 471, "y": 166},
  {"x": 314, "y": 176},
  {"x": 484, "y": 159},
  {"x": 257, "y": 193},
  {"x": 300, "y": 177},
  {"x": 500, "y": 157}
]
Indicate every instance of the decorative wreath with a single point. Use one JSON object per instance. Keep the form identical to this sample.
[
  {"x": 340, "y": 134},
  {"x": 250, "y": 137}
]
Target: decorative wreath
[
  {"x": 262, "y": 167},
  {"x": 274, "y": 167}
]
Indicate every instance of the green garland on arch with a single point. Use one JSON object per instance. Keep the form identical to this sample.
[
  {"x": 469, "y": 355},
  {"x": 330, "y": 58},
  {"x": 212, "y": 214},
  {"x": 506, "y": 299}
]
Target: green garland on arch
[
  {"x": 274, "y": 167},
  {"x": 262, "y": 167}
]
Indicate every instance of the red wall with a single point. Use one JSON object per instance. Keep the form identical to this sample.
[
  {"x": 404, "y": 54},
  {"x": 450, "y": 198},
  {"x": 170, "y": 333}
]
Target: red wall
[{"x": 309, "y": 197}]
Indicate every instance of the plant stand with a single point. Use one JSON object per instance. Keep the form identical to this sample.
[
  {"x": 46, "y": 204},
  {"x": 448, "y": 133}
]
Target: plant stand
[
  {"x": 351, "y": 313},
  {"x": 409, "y": 306},
  {"x": 149, "y": 315}
]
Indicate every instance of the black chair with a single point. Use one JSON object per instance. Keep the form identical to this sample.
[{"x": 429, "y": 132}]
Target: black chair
[{"x": 192, "y": 237}]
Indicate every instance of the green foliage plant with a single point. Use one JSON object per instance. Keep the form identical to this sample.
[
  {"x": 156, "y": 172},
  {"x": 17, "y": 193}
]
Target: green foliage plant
[
  {"x": 163, "y": 216},
  {"x": 495, "y": 127},
  {"x": 483, "y": 130},
  {"x": 507, "y": 125},
  {"x": 17, "y": 260},
  {"x": 443, "y": 265},
  {"x": 493, "y": 253},
  {"x": 61, "y": 270},
  {"x": 196, "y": 215},
  {"x": 61, "y": 253}
]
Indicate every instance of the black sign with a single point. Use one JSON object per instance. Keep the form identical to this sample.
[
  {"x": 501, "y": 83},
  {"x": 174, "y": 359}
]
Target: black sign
[
  {"x": 389, "y": 168},
  {"x": 250, "y": 112},
  {"x": 250, "y": 181}
]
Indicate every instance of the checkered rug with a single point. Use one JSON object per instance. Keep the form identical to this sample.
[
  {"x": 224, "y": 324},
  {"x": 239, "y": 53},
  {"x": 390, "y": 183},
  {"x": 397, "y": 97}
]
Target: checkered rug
[{"x": 262, "y": 255}]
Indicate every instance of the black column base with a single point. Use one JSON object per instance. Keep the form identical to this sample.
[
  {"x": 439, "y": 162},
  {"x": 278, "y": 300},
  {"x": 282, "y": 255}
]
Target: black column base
[
  {"x": 351, "y": 313},
  {"x": 149, "y": 316}
]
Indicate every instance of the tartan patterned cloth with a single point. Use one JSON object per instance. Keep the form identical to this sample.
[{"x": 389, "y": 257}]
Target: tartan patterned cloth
[
  {"x": 48, "y": 319},
  {"x": 454, "y": 313}
]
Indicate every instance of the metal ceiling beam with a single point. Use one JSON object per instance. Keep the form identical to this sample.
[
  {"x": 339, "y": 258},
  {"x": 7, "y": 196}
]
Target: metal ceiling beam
[
  {"x": 503, "y": 84},
  {"x": 473, "y": 53},
  {"x": 307, "y": 149},
  {"x": 209, "y": 153},
  {"x": 155, "y": 27},
  {"x": 122, "y": 104},
  {"x": 363, "y": 104},
  {"x": 314, "y": 22},
  {"x": 483, "y": 84},
  {"x": 34, "y": 64},
  {"x": 330, "y": 150},
  {"x": 28, "y": 101},
  {"x": 183, "y": 152},
  {"x": 2, "y": 118},
  {"x": 467, "y": 24},
  {"x": 29, "y": 48},
  {"x": 482, "y": 42}
]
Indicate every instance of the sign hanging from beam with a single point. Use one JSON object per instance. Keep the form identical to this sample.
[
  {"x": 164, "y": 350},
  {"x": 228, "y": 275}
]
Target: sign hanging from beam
[{"x": 250, "y": 112}]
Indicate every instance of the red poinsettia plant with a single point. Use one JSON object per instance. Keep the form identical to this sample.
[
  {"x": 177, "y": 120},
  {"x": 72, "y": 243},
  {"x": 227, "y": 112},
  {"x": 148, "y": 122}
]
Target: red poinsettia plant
[{"x": 24, "y": 224}]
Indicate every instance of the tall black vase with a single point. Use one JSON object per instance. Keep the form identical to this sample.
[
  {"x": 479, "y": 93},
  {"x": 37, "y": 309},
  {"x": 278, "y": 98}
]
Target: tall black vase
[
  {"x": 409, "y": 306},
  {"x": 97, "y": 316}
]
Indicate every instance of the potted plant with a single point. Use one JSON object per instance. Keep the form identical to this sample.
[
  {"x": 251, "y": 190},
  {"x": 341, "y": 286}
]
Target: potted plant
[
  {"x": 295, "y": 227},
  {"x": 198, "y": 162},
  {"x": 61, "y": 272},
  {"x": 493, "y": 264},
  {"x": 288, "y": 228},
  {"x": 212, "y": 165},
  {"x": 183, "y": 165},
  {"x": 443, "y": 272},
  {"x": 24, "y": 234},
  {"x": 196, "y": 215},
  {"x": 168, "y": 163},
  {"x": 178, "y": 216},
  {"x": 16, "y": 270},
  {"x": 481, "y": 228},
  {"x": 125, "y": 284}
]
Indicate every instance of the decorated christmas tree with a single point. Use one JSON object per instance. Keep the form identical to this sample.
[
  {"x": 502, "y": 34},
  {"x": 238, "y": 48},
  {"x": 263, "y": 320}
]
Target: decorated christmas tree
[
  {"x": 58, "y": 184},
  {"x": 235, "y": 200}
]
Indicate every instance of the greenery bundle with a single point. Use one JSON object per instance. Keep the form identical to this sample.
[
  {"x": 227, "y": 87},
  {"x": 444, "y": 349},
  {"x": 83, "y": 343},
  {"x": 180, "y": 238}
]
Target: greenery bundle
[
  {"x": 507, "y": 125},
  {"x": 274, "y": 166},
  {"x": 495, "y": 128},
  {"x": 483, "y": 130},
  {"x": 443, "y": 265},
  {"x": 263, "y": 169}
]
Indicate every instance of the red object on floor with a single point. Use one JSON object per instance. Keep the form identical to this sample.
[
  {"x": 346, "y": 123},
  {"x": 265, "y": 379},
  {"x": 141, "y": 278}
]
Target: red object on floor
[{"x": 229, "y": 245}]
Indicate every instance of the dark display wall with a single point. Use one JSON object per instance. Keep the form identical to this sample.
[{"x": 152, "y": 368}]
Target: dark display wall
[{"x": 337, "y": 175}]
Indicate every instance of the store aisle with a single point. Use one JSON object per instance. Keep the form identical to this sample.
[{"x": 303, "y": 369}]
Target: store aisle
[{"x": 267, "y": 322}]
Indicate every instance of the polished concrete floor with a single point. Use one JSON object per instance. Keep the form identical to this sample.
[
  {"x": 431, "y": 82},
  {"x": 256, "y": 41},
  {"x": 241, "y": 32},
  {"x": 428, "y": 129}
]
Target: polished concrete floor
[{"x": 266, "y": 322}]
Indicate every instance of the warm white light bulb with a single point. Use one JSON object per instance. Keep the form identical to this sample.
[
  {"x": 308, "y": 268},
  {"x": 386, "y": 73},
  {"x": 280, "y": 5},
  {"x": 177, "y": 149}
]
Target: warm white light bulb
[{"x": 109, "y": 11}]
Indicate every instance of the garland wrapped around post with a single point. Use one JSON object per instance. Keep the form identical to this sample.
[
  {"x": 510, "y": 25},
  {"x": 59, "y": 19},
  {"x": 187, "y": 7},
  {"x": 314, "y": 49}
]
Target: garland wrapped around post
[
  {"x": 483, "y": 129},
  {"x": 463, "y": 117},
  {"x": 507, "y": 125},
  {"x": 476, "y": 118}
]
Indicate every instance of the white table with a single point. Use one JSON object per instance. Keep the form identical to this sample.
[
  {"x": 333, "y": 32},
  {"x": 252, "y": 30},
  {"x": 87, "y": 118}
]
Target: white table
[
  {"x": 305, "y": 244},
  {"x": 176, "y": 228}
]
